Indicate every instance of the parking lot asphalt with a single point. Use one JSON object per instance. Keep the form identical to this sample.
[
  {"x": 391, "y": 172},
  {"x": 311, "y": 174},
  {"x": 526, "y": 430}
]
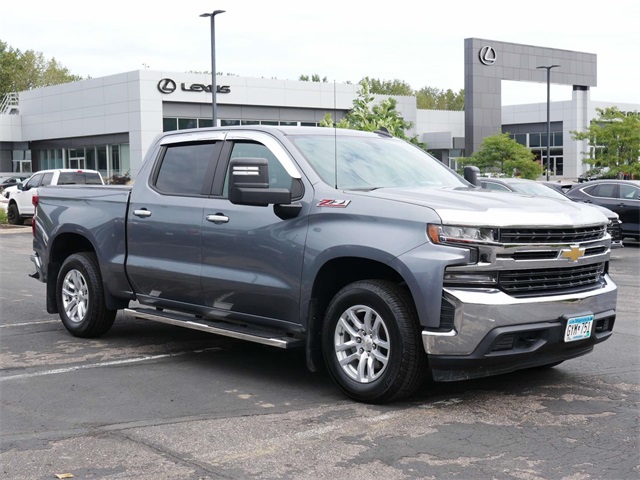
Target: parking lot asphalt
[{"x": 150, "y": 401}]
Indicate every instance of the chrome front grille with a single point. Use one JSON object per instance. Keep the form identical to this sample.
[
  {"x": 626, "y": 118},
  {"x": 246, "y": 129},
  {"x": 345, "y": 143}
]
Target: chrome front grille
[
  {"x": 551, "y": 235},
  {"x": 550, "y": 281}
]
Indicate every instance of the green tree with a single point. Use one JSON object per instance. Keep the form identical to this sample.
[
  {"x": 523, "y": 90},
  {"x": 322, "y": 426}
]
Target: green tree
[
  {"x": 368, "y": 117},
  {"x": 501, "y": 154},
  {"x": 430, "y": 98},
  {"x": 313, "y": 78},
  {"x": 388, "y": 87},
  {"x": 21, "y": 71},
  {"x": 614, "y": 138}
]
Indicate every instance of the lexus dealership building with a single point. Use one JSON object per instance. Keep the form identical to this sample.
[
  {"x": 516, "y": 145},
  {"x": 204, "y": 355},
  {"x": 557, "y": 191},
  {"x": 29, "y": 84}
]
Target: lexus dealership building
[{"x": 109, "y": 123}]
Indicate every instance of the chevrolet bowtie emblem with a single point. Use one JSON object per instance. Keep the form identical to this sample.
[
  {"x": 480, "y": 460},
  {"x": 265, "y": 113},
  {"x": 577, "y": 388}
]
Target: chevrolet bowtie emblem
[{"x": 573, "y": 253}]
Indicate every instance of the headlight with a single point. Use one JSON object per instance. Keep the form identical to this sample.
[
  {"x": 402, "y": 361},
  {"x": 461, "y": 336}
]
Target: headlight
[{"x": 460, "y": 234}]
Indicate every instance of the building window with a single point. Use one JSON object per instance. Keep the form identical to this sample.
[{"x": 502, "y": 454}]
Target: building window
[
  {"x": 169, "y": 124},
  {"x": 187, "y": 123},
  {"x": 205, "y": 122},
  {"x": 229, "y": 123},
  {"x": 534, "y": 140}
]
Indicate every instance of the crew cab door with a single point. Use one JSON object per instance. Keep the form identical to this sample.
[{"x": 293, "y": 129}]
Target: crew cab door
[
  {"x": 165, "y": 221},
  {"x": 251, "y": 257}
]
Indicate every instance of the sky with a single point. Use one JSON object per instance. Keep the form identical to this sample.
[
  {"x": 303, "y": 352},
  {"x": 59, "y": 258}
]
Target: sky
[{"x": 418, "y": 42}]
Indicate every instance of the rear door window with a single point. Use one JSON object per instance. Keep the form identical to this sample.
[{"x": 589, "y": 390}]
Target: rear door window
[
  {"x": 629, "y": 192},
  {"x": 46, "y": 178},
  {"x": 187, "y": 169},
  {"x": 605, "y": 190}
]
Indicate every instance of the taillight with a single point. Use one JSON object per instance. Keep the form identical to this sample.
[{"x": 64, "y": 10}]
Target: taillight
[{"x": 35, "y": 199}]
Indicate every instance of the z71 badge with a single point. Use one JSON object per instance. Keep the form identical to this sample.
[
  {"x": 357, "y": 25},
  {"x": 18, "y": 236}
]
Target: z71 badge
[{"x": 327, "y": 202}]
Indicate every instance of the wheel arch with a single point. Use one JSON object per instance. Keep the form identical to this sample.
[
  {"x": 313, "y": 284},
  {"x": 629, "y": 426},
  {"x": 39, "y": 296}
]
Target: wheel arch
[
  {"x": 332, "y": 276},
  {"x": 62, "y": 246}
]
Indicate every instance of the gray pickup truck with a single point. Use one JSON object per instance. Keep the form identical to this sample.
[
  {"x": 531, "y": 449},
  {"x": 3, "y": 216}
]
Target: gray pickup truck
[{"x": 385, "y": 265}]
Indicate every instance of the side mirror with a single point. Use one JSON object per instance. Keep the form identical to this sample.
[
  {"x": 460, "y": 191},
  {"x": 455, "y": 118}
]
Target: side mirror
[
  {"x": 20, "y": 186},
  {"x": 471, "y": 174},
  {"x": 249, "y": 184}
]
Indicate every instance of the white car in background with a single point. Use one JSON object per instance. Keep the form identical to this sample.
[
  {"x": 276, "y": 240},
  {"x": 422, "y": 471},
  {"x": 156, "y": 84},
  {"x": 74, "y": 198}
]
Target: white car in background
[{"x": 20, "y": 197}]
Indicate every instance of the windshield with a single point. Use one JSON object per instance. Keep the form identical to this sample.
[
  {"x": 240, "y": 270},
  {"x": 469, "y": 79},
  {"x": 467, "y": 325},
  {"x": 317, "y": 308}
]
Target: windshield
[
  {"x": 367, "y": 163},
  {"x": 538, "y": 189}
]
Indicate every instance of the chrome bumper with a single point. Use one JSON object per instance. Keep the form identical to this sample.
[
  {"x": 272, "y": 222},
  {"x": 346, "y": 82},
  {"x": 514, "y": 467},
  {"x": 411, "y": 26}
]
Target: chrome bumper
[{"x": 480, "y": 311}]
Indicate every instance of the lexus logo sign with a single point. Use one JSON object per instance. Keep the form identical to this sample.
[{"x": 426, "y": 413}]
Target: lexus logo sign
[
  {"x": 166, "y": 85},
  {"x": 487, "y": 55}
]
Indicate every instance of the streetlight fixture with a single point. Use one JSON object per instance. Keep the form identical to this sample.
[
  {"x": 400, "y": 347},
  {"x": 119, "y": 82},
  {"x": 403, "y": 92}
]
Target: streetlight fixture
[
  {"x": 213, "y": 63},
  {"x": 548, "y": 67}
]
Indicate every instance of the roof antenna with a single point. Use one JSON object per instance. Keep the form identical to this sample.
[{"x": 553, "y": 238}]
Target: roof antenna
[{"x": 384, "y": 131}]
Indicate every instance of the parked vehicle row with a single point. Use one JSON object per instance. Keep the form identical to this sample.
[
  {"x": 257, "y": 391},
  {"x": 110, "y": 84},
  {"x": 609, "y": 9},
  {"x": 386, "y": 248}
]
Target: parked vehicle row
[{"x": 621, "y": 196}]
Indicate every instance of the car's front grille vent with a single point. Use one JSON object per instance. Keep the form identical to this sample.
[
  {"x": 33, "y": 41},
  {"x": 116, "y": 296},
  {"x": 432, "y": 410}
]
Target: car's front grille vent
[
  {"x": 594, "y": 251},
  {"x": 551, "y": 235},
  {"x": 541, "y": 255},
  {"x": 523, "y": 283},
  {"x": 447, "y": 313}
]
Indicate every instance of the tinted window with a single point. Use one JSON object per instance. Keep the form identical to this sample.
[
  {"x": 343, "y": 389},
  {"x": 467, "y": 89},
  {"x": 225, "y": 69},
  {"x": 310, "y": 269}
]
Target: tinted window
[
  {"x": 79, "y": 178},
  {"x": 46, "y": 178},
  {"x": 629, "y": 192},
  {"x": 35, "y": 181},
  {"x": 605, "y": 190},
  {"x": 183, "y": 169}
]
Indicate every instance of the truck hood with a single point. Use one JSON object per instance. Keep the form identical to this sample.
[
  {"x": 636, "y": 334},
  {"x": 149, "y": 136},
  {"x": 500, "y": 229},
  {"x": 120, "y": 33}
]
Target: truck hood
[{"x": 479, "y": 207}]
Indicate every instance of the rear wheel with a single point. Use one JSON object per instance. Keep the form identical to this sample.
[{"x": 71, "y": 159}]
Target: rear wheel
[
  {"x": 80, "y": 296},
  {"x": 372, "y": 342},
  {"x": 13, "y": 215}
]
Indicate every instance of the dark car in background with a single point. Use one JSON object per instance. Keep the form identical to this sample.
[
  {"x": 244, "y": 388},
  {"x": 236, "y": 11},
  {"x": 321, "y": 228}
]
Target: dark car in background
[
  {"x": 11, "y": 181},
  {"x": 621, "y": 196},
  {"x": 531, "y": 187}
]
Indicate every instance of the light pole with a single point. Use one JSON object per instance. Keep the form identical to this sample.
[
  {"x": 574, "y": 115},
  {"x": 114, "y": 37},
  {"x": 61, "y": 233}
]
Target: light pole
[
  {"x": 213, "y": 63},
  {"x": 548, "y": 67}
]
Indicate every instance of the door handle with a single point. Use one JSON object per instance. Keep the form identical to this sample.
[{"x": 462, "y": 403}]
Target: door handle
[
  {"x": 142, "y": 213},
  {"x": 217, "y": 218}
]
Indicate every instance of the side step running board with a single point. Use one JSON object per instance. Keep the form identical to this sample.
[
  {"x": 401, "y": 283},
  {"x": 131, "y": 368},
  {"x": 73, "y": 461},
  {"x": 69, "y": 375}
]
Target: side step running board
[{"x": 240, "y": 332}]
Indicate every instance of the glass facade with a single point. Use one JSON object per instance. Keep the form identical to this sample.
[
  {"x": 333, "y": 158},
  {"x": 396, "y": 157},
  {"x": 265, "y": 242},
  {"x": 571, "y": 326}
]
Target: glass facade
[
  {"x": 537, "y": 142},
  {"x": 109, "y": 160},
  {"x": 173, "y": 123}
]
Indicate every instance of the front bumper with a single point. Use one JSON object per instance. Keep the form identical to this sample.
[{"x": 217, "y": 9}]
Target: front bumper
[{"x": 495, "y": 333}]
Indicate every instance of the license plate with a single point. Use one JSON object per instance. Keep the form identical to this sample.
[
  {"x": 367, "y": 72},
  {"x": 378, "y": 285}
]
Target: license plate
[{"x": 578, "y": 328}]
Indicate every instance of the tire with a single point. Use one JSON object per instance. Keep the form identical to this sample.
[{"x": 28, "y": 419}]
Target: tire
[
  {"x": 80, "y": 297},
  {"x": 13, "y": 215},
  {"x": 371, "y": 341}
]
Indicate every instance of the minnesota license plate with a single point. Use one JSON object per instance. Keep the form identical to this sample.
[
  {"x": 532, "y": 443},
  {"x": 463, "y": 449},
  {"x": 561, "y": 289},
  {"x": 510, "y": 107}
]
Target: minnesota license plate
[{"x": 578, "y": 328}]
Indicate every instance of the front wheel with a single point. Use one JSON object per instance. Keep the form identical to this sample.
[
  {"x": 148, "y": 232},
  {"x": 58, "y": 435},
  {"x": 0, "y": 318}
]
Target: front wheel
[
  {"x": 13, "y": 215},
  {"x": 372, "y": 342},
  {"x": 80, "y": 296}
]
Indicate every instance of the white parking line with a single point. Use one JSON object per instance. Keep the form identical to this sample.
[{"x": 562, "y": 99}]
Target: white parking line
[
  {"x": 26, "y": 324},
  {"x": 103, "y": 364}
]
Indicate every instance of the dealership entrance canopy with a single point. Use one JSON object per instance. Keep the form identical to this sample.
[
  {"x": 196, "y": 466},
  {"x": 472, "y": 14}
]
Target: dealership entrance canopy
[{"x": 487, "y": 63}]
